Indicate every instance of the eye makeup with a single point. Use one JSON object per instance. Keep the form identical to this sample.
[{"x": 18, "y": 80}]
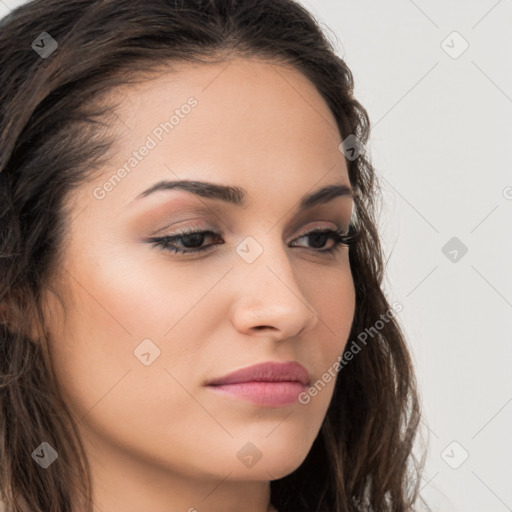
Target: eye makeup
[{"x": 192, "y": 240}]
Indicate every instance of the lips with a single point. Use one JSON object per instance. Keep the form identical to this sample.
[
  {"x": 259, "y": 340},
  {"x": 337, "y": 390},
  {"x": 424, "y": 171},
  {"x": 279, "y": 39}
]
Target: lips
[{"x": 266, "y": 372}]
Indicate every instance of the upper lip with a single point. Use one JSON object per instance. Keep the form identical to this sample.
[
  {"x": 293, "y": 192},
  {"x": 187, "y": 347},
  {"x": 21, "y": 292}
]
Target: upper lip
[{"x": 270, "y": 371}]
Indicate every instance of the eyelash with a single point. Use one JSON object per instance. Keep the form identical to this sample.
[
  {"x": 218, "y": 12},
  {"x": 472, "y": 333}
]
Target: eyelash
[{"x": 340, "y": 238}]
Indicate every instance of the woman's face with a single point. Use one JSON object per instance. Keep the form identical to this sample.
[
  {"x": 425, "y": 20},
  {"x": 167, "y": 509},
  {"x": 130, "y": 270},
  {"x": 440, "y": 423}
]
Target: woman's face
[{"x": 146, "y": 328}]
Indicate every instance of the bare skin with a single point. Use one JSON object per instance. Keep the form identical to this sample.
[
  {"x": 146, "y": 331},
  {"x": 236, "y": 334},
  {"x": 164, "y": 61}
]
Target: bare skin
[{"x": 158, "y": 439}]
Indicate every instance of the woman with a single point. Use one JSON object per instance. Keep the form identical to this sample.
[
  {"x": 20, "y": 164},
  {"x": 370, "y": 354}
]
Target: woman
[{"x": 191, "y": 302}]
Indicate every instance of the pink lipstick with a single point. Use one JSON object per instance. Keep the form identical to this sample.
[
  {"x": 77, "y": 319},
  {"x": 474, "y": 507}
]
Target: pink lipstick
[{"x": 271, "y": 384}]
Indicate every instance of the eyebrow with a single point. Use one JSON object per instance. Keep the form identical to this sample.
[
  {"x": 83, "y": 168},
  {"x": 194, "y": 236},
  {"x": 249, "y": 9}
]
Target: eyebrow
[{"x": 237, "y": 195}]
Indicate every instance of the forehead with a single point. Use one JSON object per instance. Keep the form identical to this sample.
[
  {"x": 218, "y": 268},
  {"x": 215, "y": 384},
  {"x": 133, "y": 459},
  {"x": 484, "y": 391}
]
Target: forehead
[{"x": 248, "y": 122}]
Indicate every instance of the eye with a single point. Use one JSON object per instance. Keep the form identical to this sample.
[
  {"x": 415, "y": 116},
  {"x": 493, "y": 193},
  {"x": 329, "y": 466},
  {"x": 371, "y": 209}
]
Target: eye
[
  {"x": 192, "y": 240},
  {"x": 339, "y": 238}
]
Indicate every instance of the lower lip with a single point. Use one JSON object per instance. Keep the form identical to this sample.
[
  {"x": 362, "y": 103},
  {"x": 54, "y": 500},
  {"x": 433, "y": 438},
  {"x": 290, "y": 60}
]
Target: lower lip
[{"x": 274, "y": 394}]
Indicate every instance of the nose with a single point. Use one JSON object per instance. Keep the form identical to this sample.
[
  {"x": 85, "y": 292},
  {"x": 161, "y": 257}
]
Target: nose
[{"x": 269, "y": 299}]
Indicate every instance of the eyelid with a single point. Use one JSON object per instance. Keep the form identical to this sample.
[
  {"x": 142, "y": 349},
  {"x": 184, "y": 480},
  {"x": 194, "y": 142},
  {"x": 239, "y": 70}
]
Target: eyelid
[
  {"x": 317, "y": 225},
  {"x": 191, "y": 213},
  {"x": 192, "y": 229},
  {"x": 341, "y": 238}
]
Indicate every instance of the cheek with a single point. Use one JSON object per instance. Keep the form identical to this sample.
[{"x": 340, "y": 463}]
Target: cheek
[
  {"x": 332, "y": 294},
  {"x": 148, "y": 293},
  {"x": 124, "y": 303},
  {"x": 105, "y": 384}
]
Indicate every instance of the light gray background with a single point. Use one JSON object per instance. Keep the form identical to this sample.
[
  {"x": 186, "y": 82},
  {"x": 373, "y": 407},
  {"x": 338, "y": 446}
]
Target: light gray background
[{"x": 441, "y": 141}]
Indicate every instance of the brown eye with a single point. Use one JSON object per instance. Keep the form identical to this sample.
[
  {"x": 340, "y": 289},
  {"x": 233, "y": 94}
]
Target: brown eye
[
  {"x": 191, "y": 240},
  {"x": 320, "y": 236}
]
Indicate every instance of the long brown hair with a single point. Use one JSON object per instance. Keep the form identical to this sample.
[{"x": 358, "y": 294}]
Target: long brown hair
[{"x": 54, "y": 135}]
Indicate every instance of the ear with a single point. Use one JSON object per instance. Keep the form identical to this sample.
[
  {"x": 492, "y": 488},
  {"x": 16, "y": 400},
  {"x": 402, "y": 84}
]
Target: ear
[
  {"x": 6, "y": 315},
  {"x": 18, "y": 316}
]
